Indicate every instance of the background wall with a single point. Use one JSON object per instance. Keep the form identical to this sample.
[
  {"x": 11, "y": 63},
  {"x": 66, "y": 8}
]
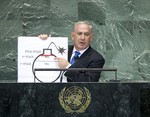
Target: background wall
[{"x": 121, "y": 28}]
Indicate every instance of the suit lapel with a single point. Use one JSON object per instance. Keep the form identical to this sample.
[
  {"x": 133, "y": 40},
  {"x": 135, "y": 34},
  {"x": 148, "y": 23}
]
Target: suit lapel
[
  {"x": 70, "y": 49},
  {"x": 87, "y": 53},
  {"x": 84, "y": 57}
]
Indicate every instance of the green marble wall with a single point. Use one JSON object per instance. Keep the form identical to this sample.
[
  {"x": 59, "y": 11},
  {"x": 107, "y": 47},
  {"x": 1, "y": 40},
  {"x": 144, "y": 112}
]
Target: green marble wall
[{"x": 121, "y": 28}]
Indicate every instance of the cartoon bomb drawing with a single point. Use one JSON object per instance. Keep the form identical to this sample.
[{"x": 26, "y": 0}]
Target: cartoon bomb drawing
[{"x": 45, "y": 61}]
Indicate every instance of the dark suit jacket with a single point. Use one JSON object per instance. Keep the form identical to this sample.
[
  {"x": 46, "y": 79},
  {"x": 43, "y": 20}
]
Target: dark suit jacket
[{"x": 89, "y": 59}]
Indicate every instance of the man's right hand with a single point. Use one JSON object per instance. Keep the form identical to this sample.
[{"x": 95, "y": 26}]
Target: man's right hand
[{"x": 43, "y": 36}]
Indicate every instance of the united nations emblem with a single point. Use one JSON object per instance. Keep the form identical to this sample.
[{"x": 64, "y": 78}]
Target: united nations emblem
[{"x": 75, "y": 99}]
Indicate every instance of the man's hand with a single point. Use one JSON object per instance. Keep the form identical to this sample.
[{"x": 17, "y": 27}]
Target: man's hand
[
  {"x": 43, "y": 36},
  {"x": 62, "y": 63}
]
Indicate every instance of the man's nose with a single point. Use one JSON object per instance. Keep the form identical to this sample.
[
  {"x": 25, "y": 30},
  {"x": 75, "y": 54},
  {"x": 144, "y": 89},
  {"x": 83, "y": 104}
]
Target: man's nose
[{"x": 82, "y": 36}]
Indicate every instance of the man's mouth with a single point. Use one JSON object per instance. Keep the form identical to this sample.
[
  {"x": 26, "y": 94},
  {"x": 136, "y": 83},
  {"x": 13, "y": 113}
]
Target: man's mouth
[{"x": 82, "y": 43}]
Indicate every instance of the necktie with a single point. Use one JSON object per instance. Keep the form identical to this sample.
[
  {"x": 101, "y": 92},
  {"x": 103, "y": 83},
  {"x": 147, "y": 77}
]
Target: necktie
[{"x": 73, "y": 60}]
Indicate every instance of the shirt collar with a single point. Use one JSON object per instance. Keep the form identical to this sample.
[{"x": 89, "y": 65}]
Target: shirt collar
[{"x": 81, "y": 51}]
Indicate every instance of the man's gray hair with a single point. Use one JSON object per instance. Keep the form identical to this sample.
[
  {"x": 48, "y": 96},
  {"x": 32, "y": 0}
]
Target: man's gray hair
[{"x": 83, "y": 22}]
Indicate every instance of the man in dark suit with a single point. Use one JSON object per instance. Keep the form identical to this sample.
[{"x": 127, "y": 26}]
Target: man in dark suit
[{"x": 81, "y": 55}]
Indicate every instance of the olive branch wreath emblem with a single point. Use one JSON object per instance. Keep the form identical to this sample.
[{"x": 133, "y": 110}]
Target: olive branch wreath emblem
[{"x": 81, "y": 97}]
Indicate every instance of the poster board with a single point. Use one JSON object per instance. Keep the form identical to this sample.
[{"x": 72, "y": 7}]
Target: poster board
[{"x": 35, "y": 53}]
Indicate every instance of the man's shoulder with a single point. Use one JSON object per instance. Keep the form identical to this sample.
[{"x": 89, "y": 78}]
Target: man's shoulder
[{"x": 96, "y": 53}]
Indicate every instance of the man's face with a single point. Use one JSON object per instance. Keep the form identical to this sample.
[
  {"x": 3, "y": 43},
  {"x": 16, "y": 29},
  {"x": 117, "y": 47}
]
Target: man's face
[{"x": 82, "y": 36}]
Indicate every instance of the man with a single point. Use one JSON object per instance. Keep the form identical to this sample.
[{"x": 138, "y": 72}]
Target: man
[{"x": 85, "y": 55}]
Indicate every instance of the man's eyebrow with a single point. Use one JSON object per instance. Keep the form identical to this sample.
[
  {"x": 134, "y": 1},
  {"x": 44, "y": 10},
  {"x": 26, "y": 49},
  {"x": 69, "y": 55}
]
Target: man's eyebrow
[{"x": 82, "y": 32}]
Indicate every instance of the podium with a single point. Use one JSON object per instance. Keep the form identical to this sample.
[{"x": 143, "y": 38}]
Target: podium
[
  {"x": 111, "y": 99},
  {"x": 103, "y": 99}
]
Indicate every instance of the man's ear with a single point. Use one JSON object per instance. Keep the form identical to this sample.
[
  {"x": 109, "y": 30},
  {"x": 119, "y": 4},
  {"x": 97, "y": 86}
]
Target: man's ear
[{"x": 72, "y": 35}]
